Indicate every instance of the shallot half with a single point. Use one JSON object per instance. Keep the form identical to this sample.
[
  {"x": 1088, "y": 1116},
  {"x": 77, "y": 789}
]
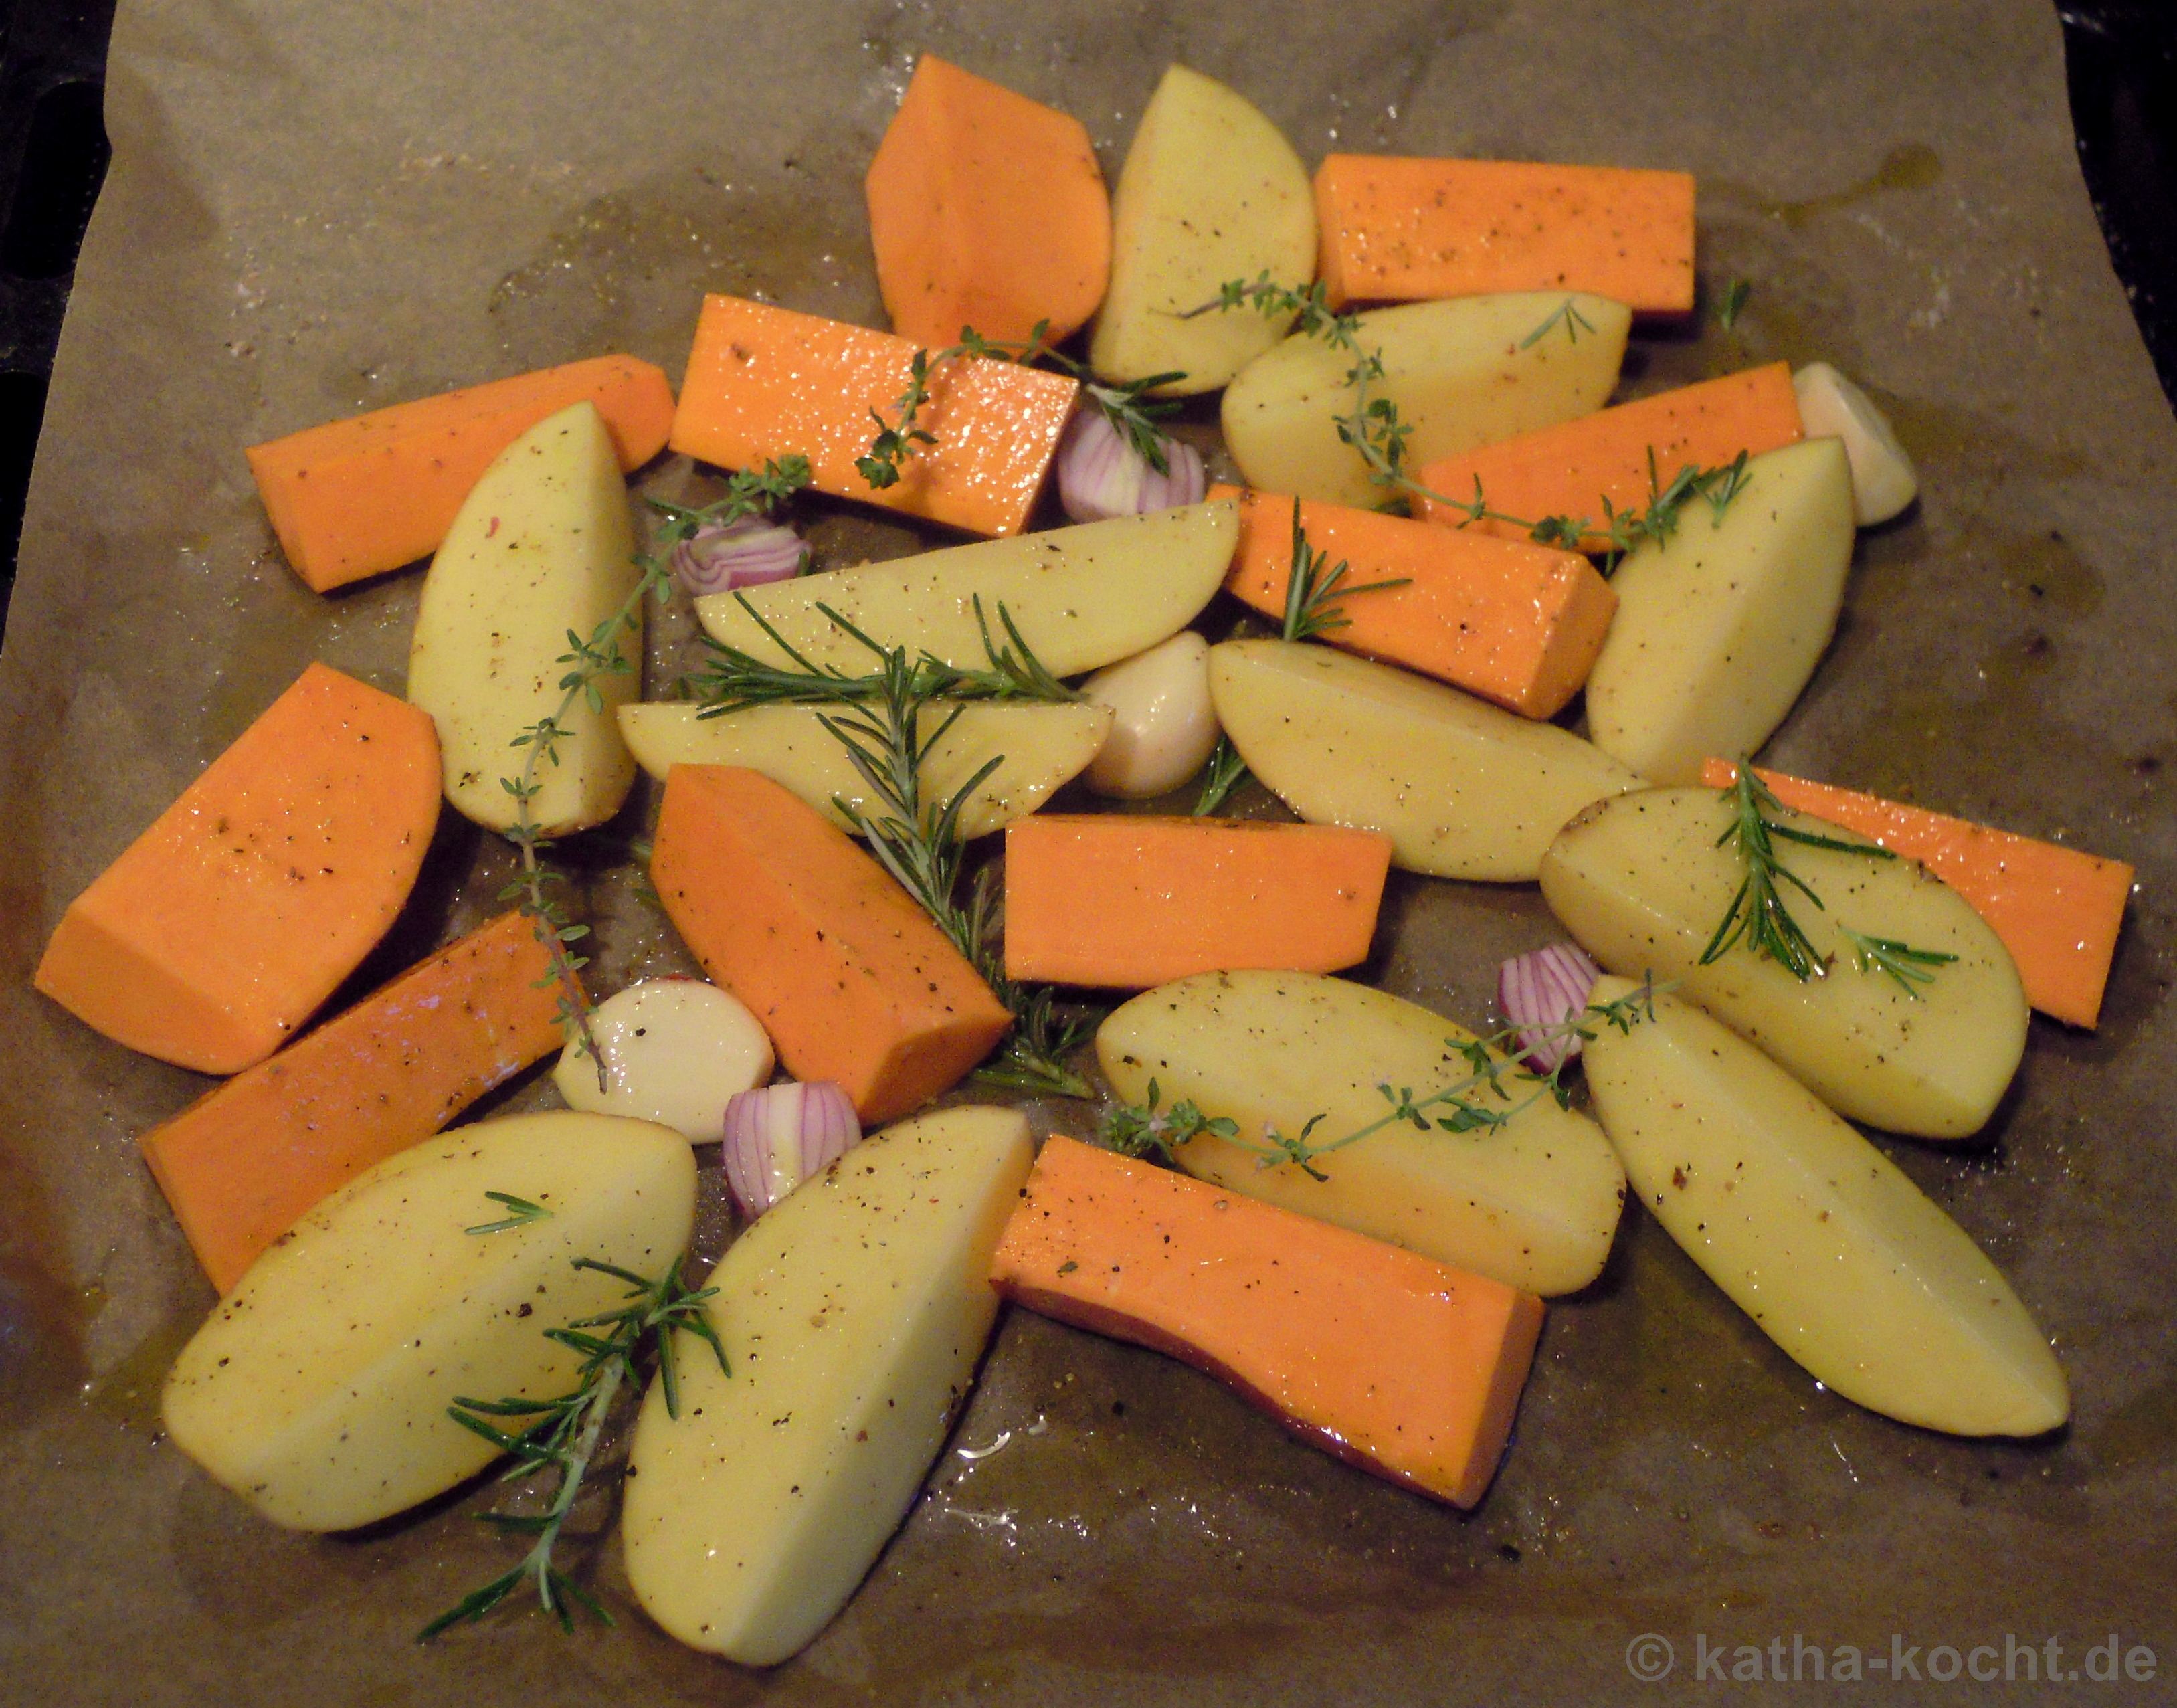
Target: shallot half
[
  {"x": 777, "y": 1135},
  {"x": 1543, "y": 993},
  {"x": 1100, "y": 475},
  {"x": 720, "y": 557}
]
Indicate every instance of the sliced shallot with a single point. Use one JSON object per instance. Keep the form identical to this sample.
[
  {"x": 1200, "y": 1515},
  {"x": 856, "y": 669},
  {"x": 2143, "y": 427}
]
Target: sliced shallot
[
  {"x": 744, "y": 553},
  {"x": 777, "y": 1135},
  {"x": 1543, "y": 993}
]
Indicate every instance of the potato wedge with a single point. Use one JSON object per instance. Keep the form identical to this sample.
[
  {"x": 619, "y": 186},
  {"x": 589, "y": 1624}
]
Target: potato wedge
[
  {"x": 1720, "y": 626},
  {"x": 1642, "y": 884},
  {"x": 853, "y": 1314},
  {"x": 544, "y": 546},
  {"x": 1210, "y": 191},
  {"x": 1840, "y": 1259},
  {"x": 1042, "y": 747},
  {"x": 1082, "y": 597},
  {"x": 1532, "y": 1203},
  {"x": 1465, "y": 372},
  {"x": 1463, "y": 789},
  {"x": 318, "y": 1390}
]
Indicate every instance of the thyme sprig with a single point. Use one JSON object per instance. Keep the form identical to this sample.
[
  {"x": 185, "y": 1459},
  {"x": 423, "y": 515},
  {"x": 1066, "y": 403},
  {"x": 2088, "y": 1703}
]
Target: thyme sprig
[
  {"x": 1139, "y": 1130},
  {"x": 562, "y": 1433},
  {"x": 1126, "y": 406},
  {"x": 1621, "y": 531},
  {"x": 1313, "y": 591},
  {"x": 520, "y": 1212},
  {"x": 589, "y": 662},
  {"x": 1224, "y": 773}
]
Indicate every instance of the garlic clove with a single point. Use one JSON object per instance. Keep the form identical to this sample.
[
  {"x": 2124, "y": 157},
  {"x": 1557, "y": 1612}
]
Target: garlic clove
[
  {"x": 1163, "y": 724},
  {"x": 1883, "y": 480},
  {"x": 676, "y": 1050}
]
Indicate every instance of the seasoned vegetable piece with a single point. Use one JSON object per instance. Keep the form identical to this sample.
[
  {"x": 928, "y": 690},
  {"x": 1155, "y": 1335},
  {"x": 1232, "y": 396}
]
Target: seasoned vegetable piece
[
  {"x": 242, "y": 1163},
  {"x": 1041, "y": 747},
  {"x": 849, "y": 976},
  {"x": 1720, "y": 626},
  {"x": 676, "y": 1051},
  {"x": 766, "y": 383},
  {"x": 359, "y": 497},
  {"x": 1532, "y": 1201},
  {"x": 318, "y": 1389},
  {"x": 986, "y": 209},
  {"x": 1389, "y": 1361},
  {"x": 1402, "y": 230},
  {"x": 1644, "y": 885},
  {"x": 1583, "y": 470},
  {"x": 1210, "y": 192},
  {"x": 221, "y": 929},
  {"x": 1817, "y": 1235},
  {"x": 2057, "y": 909},
  {"x": 1517, "y": 623},
  {"x": 853, "y": 1316},
  {"x": 1125, "y": 901},
  {"x": 1464, "y": 790},
  {"x": 1462, "y": 373},
  {"x": 543, "y": 549},
  {"x": 1081, "y": 596}
]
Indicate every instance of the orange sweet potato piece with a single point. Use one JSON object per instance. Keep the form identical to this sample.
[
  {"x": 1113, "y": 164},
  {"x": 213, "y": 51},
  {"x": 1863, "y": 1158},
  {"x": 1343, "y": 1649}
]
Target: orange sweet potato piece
[
  {"x": 359, "y": 497},
  {"x": 766, "y": 382},
  {"x": 247, "y": 1161},
  {"x": 1128, "y": 902},
  {"x": 1400, "y": 230},
  {"x": 2057, "y": 909},
  {"x": 849, "y": 976},
  {"x": 221, "y": 930},
  {"x": 1576, "y": 468},
  {"x": 1515, "y": 622},
  {"x": 986, "y": 209},
  {"x": 1389, "y": 1360}
]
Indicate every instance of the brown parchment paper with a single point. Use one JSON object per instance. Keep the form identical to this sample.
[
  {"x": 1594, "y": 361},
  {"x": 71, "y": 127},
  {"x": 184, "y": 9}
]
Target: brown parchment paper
[{"x": 318, "y": 208}]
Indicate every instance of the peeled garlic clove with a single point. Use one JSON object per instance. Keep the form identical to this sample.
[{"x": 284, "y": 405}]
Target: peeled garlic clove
[
  {"x": 676, "y": 1050},
  {"x": 1883, "y": 481},
  {"x": 1163, "y": 724}
]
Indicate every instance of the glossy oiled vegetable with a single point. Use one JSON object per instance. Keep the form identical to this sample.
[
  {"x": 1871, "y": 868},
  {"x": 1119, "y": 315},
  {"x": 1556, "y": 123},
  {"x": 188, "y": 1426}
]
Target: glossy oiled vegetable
[
  {"x": 1042, "y": 747},
  {"x": 1642, "y": 884},
  {"x": 1393, "y": 1363},
  {"x": 1463, "y": 789},
  {"x": 1721, "y": 625},
  {"x": 853, "y": 1315},
  {"x": 1817, "y": 1235},
  {"x": 1883, "y": 478},
  {"x": 219, "y": 929},
  {"x": 318, "y": 1391},
  {"x": 676, "y": 1051},
  {"x": 1163, "y": 723},
  {"x": 1081, "y": 596},
  {"x": 1210, "y": 192},
  {"x": 543, "y": 549},
  {"x": 1463, "y": 373},
  {"x": 1532, "y": 1203}
]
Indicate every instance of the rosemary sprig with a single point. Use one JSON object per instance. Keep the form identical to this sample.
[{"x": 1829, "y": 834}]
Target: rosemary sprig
[
  {"x": 1567, "y": 315},
  {"x": 520, "y": 1212},
  {"x": 1139, "y": 1130},
  {"x": 1313, "y": 592},
  {"x": 562, "y": 1433},
  {"x": 1905, "y": 966},
  {"x": 1224, "y": 773},
  {"x": 590, "y": 661}
]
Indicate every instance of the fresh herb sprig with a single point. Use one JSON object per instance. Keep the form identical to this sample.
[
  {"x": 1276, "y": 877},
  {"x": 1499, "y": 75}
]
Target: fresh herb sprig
[
  {"x": 588, "y": 662},
  {"x": 520, "y": 1212},
  {"x": 562, "y": 1433},
  {"x": 1905, "y": 966},
  {"x": 1313, "y": 589},
  {"x": 1140, "y": 1130},
  {"x": 1621, "y": 531},
  {"x": 1732, "y": 303},
  {"x": 1566, "y": 314},
  {"x": 1220, "y": 777}
]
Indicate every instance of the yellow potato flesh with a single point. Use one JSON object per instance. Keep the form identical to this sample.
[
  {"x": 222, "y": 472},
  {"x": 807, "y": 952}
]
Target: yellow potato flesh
[
  {"x": 1817, "y": 1236},
  {"x": 318, "y": 1390},
  {"x": 853, "y": 1314},
  {"x": 1463, "y": 373},
  {"x": 1532, "y": 1203},
  {"x": 1040, "y": 748},
  {"x": 1641, "y": 883},
  {"x": 544, "y": 546},
  {"x": 1082, "y": 597},
  {"x": 1463, "y": 789}
]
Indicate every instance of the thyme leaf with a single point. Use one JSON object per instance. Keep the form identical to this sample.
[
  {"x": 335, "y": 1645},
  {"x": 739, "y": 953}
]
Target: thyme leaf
[
  {"x": 1733, "y": 304},
  {"x": 1139, "y": 1130}
]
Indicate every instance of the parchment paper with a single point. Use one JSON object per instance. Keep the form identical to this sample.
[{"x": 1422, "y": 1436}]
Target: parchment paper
[{"x": 317, "y": 209}]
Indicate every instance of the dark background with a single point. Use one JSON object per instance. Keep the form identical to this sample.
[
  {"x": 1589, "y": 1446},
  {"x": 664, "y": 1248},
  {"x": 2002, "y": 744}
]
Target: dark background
[{"x": 2120, "y": 55}]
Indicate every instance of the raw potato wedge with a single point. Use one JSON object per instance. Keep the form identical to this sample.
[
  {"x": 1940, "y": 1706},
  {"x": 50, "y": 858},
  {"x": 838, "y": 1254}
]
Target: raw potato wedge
[
  {"x": 1813, "y": 1233},
  {"x": 1463, "y": 789},
  {"x": 543, "y": 547},
  {"x": 1042, "y": 747},
  {"x": 1463, "y": 373},
  {"x": 1210, "y": 191},
  {"x": 1720, "y": 626},
  {"x": 1642, "y": 884},
  {"x": 853, "y": 1315},
  {"x": 318, "y": 1390},
  {"x": 1083, "y": 597},
  {"x": 1532, "y": 1204}
]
